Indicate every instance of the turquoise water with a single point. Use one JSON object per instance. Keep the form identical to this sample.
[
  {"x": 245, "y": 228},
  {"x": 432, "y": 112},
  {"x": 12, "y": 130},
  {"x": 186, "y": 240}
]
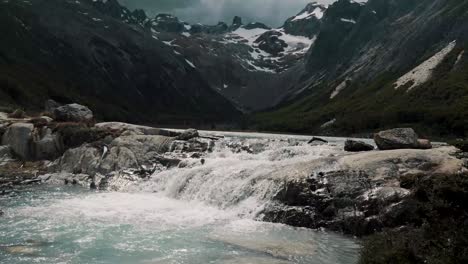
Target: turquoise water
[{"x": 44, "y": 224}]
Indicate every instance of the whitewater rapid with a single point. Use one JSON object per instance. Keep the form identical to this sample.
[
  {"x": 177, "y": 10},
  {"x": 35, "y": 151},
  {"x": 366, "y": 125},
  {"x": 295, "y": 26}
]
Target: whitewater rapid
[{"x": 201, "y": 212}]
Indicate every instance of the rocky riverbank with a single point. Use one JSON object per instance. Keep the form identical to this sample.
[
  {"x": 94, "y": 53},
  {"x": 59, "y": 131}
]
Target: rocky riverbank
[{"x": 359, "y": 191}]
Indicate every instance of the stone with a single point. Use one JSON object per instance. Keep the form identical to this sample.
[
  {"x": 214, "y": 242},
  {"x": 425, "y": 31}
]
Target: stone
[
  {"x": 5, "y": 151},
  {"x": 357, "y": 146},
  {"x": 424, "y": 144},
  {"x": 398, "y": 138},
  {"x": 73, "y": 113},
  {"x": 124, "y": 152},
  {"x": 315, "y": 140},
  {"x": 131, "y": 129},
  {"x": 50, "y": 106},
  {"x": 188, "y": 134},
  {"x": 46, "y": 146},
  {"x": 18, "y": 136},
  {"x": 18, "y": 113}
]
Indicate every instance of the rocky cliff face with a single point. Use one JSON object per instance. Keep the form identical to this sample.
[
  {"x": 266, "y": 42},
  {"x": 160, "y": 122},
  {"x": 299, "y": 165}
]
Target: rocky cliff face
[{"x": 96, "y": 52}]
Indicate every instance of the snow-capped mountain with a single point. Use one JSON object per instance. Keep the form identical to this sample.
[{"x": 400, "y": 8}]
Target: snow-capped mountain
[
  {"x": 396, "y": 62},
  {"x": 250, "y": 64}
]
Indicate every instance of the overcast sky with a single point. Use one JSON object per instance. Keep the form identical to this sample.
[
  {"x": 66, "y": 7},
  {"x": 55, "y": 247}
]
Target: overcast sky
[{"x": 271, "y": 12}]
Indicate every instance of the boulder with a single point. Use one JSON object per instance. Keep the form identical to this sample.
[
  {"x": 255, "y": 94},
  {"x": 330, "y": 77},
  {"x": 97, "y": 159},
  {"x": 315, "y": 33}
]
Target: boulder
[
  {"x": 188, "y": 134},
  {"x": 125, "y": 152},
  {"x": 398, "y": 138},
  {"x": 50, "y": 106},
  {"x": 73, "y": 113},
  {"x": 424, "y": 144},
  {"x": 18, "y": 136},
  {"x": 46, "y": 145},
  {"x": 357, "y": 146},
  {"x": 18, "y": 113}
]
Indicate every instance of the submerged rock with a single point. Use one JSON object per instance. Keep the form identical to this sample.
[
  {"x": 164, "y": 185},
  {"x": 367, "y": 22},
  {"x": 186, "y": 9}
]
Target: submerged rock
[
  {"x": 357, "y": 146},
  {"x": 21, "y": 250}
]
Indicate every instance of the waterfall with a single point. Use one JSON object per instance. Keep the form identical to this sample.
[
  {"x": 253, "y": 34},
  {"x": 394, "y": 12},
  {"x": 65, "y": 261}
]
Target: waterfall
[{"x": 240, "y": 174}]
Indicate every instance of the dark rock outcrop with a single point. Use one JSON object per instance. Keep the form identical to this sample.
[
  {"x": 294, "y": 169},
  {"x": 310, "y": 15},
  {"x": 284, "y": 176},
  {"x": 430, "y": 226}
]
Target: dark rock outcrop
[
  {"x": 357, "y": 146},
  {"x": 362, "y": 194},
  {"x": 269, "y": 42},
  {"x": 188, "y": 134}
]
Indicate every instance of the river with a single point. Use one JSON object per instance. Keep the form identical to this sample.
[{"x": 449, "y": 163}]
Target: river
[{"x": 203, "y": 212}]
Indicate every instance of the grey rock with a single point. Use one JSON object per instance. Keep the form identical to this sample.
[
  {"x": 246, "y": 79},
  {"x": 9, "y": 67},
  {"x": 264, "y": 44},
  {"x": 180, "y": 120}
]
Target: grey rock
[
  {"x": 362, "y": 192},
  {"x": 125, "y": 152},
  {"x": 357, "y": 146},
  {"x": 424, "y": 144},
  {"x": 73, "y": 113},
  {"x": 131, "y": 129},
  {"x": 50, "y": 106},
  {"x": 188, "y": 134},
  {"x": 398, "y": 138},
  {"x": 5, "y": 151},
  {"x": 18, "y": 136},
  {"x": 46, "y": 145}
]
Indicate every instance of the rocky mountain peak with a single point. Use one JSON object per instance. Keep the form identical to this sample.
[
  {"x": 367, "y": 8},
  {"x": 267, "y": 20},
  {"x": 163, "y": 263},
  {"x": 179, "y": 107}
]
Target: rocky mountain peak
[
  {"x": 237, "y": 21},
  {"x": 307, "y": 22}
]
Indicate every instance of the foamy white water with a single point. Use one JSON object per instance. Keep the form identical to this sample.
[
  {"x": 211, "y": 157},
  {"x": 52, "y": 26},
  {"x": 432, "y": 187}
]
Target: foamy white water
[{"x": 202, "y": 213}]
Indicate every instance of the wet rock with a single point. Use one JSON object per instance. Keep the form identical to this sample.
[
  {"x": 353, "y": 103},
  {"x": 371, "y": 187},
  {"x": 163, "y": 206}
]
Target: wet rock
[
  {"x": 125, "y": 152},
  {"x": 399, "y": 138},
  {"x": 362, "y": 192},
  {"x": 357, "y": 146},
  {"x": 5, "y": 152},
  {"x": 131, "y": 129},
  {"x": 73, "y": 113},
  {"x": 46, "y": 145},
  {"x": 18, "y": 136},
  {"x": 21, "y": 250},
  {"x": 317, "y": 140},
  {"x": 190, "y": 146},
  {"x": 188, "y": 134}
]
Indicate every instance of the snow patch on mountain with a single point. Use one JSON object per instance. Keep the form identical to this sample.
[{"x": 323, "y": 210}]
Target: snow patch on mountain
[
  {"x": 348, "y": 20},
  {"x": 317, "y": 13},
  {"x": 339, "y": 88},
  {"x": 423, "y": 72}
]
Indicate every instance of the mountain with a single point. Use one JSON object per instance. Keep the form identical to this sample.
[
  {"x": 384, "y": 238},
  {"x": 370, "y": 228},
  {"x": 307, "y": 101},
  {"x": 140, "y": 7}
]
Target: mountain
[
  {"x": 383, "y": 63},
  {"x": 348, "y": 68},
  {"x": 250, "y": 64},
  {"x": 95, "y": 52}
]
